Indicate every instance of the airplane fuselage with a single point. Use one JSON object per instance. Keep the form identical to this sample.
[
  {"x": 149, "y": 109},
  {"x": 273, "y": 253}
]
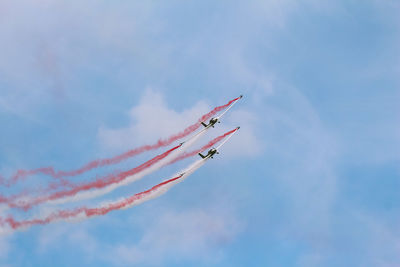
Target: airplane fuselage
[
  {"x": 210, "y": 153},
  {"x": 212, "y": 122}
]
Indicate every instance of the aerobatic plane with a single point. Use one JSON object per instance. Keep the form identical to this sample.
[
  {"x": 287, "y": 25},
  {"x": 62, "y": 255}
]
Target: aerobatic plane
[
  {"x": 213, "y": 121},
  {"x": 210, "y": 153},
  {"x": 214, "y": 151}
]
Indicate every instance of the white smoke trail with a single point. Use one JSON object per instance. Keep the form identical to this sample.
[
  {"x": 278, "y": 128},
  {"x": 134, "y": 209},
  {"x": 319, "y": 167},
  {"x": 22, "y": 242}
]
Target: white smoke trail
[
  {"x": 104, "y": 208},
  {"x": 226, "y": 110},
  {"x": 130, "y": 179},
  {"x": 161, "y": 190},
  {"x": 226, "y": 139}
]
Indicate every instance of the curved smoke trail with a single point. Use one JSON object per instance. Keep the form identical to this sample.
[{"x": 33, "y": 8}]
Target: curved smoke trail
[
  {"x": 85, "y": 212},
  {"x": 26, "y": 203}
]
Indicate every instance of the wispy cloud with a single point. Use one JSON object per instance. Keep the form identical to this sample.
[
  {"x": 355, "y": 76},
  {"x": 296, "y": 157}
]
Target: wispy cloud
[
  {"x": 96, "y": 52},
  {"x": 173, "y": 235},
  {"x": 152, "y": 119},
  {"x": 164, "y": 236},
  {"x": 5, "y": 244}
]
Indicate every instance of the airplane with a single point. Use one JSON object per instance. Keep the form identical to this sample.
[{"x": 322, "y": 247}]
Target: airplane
[
  {"x": 213, "y": 121},
  {"x": 210, "y": 153},
  {"x": 214, "y": 151}
]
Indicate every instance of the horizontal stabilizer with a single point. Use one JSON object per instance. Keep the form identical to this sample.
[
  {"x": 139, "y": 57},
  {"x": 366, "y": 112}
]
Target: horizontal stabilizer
[
  {"x": 201, "y": 155},
  {"x": 205, "y": 125}
]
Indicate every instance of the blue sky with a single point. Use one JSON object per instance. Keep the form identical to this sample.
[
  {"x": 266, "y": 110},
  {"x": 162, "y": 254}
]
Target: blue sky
[{"x": 311, "y": 179}]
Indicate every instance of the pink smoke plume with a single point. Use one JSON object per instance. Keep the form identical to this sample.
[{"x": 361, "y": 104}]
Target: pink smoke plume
[{"x": 97, "y": 184}]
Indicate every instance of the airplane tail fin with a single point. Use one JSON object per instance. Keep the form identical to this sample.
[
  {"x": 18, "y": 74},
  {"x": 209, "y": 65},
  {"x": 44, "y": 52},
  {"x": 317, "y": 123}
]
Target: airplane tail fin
[
  {"x": 201, "y": 155},
  {"x": 205, "y": 125}
]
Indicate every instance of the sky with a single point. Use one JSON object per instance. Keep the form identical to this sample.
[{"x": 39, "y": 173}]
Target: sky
[{"x": 311, "y": 179}]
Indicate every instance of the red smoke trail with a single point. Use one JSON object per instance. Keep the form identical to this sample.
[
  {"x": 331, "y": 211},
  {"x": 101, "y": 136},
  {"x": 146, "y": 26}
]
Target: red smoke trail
[
  {"x": 99, "y": 183},
  {"x": 50, "y": 171},
  {"x": 88, "y": 212}
]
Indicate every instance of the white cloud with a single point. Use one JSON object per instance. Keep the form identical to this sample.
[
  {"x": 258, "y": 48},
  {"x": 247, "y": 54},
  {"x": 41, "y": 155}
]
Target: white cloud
[
  {"x": 164, "y": 235},
  {"x": 152, "y": 119},
  {"x": 45, "y": 45},
  {"x": 304, "y": 154},
  {"x": 374, "y": 241},
  {"x": 4, "y": 237},
  {"x": 4, "y": 247},
  {"x": 149, "y": 121},
  {"x": 192, "y": 235},
  {"x": 294, "y": 134},
  {"x": 383, "y": 241},
  {"x": 76, "y": 235}
]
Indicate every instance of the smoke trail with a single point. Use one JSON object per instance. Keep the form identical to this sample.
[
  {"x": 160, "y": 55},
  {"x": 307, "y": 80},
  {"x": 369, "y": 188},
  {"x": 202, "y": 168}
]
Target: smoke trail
[
  {"x": 105, "y": 184},
  {"x": 84, "y": 212},
  {"x": 99, "y": 183},
  {"x": 132, "y": 177},
  {"x": 50, "y": 171}
]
